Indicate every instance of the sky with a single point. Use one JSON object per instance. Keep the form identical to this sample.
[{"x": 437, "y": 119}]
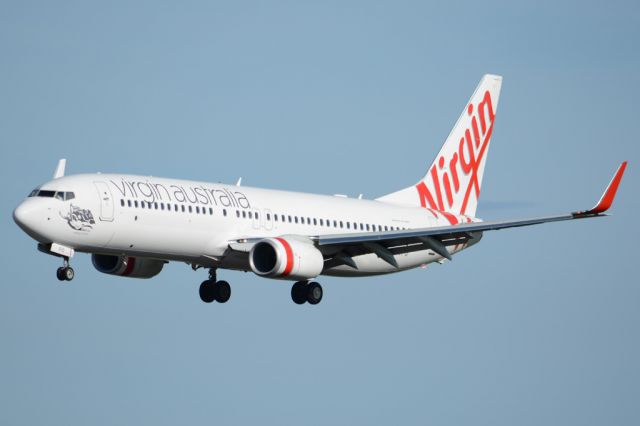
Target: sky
[{"x": 531, "y": 326}]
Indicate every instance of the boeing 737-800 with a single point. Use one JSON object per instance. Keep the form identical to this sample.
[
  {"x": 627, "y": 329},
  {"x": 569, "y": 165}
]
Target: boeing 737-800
[{"x": 133, "y": 225}]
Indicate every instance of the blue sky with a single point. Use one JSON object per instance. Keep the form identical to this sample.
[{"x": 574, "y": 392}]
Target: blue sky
[{"x": 532, "y": 326}]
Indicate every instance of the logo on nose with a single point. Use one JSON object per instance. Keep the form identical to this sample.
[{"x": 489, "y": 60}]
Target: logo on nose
[{"x": 78, "y": 218}]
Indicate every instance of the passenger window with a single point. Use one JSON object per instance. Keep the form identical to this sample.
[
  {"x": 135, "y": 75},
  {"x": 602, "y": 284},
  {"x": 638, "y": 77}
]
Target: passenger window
[
  {"x": 121, "y": 203},
  {"x": 295, "y": 218},
  {"x": 321, "y": 222},
  {"x": 268, "y": 216},
  {"x": 210, "y": 211},
  {"x": 190, "y": 209},
  {"x": 257, "y": 215},
  {"x": 289, "y": 219},
  {"x": 136, "y": 203},
  {"x": 182, "y": 208},
  {"x": 244, "y": 214},
  {"x": 224, "y": 212},
  {"x": 250, "y": 215},
  {"x": 129, "y": 203}
]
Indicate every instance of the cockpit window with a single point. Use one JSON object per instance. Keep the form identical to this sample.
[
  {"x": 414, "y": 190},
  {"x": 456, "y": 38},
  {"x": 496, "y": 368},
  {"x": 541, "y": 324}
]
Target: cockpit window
[
  {"x": 47, "y": 194},
  {"x": 60, "y": 195}
]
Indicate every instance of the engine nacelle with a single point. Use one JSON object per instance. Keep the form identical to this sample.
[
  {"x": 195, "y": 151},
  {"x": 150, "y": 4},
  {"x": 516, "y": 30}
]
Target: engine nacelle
[
  {"x": 134, "y": 267},
  {"x": 288, "y": 259}
]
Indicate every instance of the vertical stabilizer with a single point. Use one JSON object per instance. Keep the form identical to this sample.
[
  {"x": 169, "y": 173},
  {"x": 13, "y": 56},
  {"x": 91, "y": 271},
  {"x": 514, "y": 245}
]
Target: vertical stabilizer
[{"x": 452, "y": 183}]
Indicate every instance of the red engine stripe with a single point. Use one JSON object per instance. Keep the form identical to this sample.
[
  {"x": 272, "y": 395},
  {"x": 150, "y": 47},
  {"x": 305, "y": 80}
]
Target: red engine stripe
[
  {"x": 287, "y": 248},
  {"x": 131, "y": 263}
]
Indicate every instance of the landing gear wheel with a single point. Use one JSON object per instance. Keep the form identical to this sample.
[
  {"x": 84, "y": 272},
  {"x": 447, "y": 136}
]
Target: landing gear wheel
[
  {"x": 223, "y": 291},
  {"x": 65, "y": 273},
  {"x": 314, "y": 293},
  {"x": 299, "y": 292},
  {"x": 207, "y": 291},
  {"x": 68, "y": 273}
]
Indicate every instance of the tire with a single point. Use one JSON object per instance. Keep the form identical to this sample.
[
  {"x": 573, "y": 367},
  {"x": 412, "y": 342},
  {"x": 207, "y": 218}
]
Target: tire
[
  {"x": 223, "y": 291},
  {"x": 314, "y": 293},
  {"x": 299, "y": 292},
  {"x": 60, "y": 274},
  {"x": 68, "y": 273},
  {"x": 207, "y": 291}
]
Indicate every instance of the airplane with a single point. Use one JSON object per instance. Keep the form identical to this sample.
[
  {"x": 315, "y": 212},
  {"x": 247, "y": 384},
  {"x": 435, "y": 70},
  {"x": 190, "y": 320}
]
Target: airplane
[{"x": 132, "y": 225}]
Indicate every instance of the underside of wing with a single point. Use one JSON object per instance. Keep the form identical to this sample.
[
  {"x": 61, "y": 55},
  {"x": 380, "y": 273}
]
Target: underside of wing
[
  {"x": 387, "y": 244},
  {"x": 341, "y": 249}
]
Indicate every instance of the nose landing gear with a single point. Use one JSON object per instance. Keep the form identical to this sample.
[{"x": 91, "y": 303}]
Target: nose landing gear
[{"x": 65, "y": 272}]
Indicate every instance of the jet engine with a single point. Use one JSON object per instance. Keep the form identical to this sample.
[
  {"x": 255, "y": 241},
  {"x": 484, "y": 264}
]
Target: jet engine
[
  {"x": 134, "y": 267},
  {"x": 286, "y": 258}
]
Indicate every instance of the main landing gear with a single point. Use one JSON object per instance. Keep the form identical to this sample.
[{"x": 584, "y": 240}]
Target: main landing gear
[
  {"x": 211, "y": 290},
  {"x": 65, "y": 272},
  {"x": 304, "y": 291}
]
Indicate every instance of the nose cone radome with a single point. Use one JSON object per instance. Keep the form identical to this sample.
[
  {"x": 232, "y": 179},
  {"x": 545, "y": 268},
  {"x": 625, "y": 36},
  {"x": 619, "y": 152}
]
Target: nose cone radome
[{"x": 27, "y": 216}]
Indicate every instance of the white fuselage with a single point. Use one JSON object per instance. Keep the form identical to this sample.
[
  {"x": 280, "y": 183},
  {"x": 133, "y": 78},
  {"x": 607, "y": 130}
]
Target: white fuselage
[{"x": 194, "y": 222}]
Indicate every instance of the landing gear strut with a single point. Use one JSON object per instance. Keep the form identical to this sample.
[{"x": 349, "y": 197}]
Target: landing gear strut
[
  {"x": 65, "y": 272},
  {"x": 211, "y": 289},
  {"x": 304, "y": 291}
]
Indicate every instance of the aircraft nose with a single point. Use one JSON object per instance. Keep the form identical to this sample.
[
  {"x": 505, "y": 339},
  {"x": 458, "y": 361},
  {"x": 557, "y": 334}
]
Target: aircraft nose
[{"x": 25, "y": 215}]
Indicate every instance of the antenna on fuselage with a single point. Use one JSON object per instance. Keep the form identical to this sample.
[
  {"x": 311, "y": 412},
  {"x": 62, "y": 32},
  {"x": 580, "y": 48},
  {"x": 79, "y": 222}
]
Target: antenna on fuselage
[
  {"x": 239, "y": 182},
  {"x": 60, "y": 168}
]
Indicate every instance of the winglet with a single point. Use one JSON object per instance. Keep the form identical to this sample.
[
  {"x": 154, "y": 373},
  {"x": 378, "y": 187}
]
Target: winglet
[
  {"x": 60, "y": 168},
  {"x": 609, "y": 194}
]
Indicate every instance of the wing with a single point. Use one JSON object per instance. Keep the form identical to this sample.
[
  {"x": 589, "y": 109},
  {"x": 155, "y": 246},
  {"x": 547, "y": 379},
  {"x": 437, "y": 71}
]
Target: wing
[
  {"x": 387, "y": 244},
  {"x": 339, "y": 249}
]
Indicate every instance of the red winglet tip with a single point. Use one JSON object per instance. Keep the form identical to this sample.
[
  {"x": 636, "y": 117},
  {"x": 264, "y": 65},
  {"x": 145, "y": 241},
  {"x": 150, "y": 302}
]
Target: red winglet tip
[{"x": 610, "y": 193}]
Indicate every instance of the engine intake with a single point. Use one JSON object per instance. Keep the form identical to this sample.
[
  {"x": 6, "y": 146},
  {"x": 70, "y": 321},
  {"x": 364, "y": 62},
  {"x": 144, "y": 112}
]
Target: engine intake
[
  {"x": 124, "y": 266},
  {"x": 286, "y": 258}
]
